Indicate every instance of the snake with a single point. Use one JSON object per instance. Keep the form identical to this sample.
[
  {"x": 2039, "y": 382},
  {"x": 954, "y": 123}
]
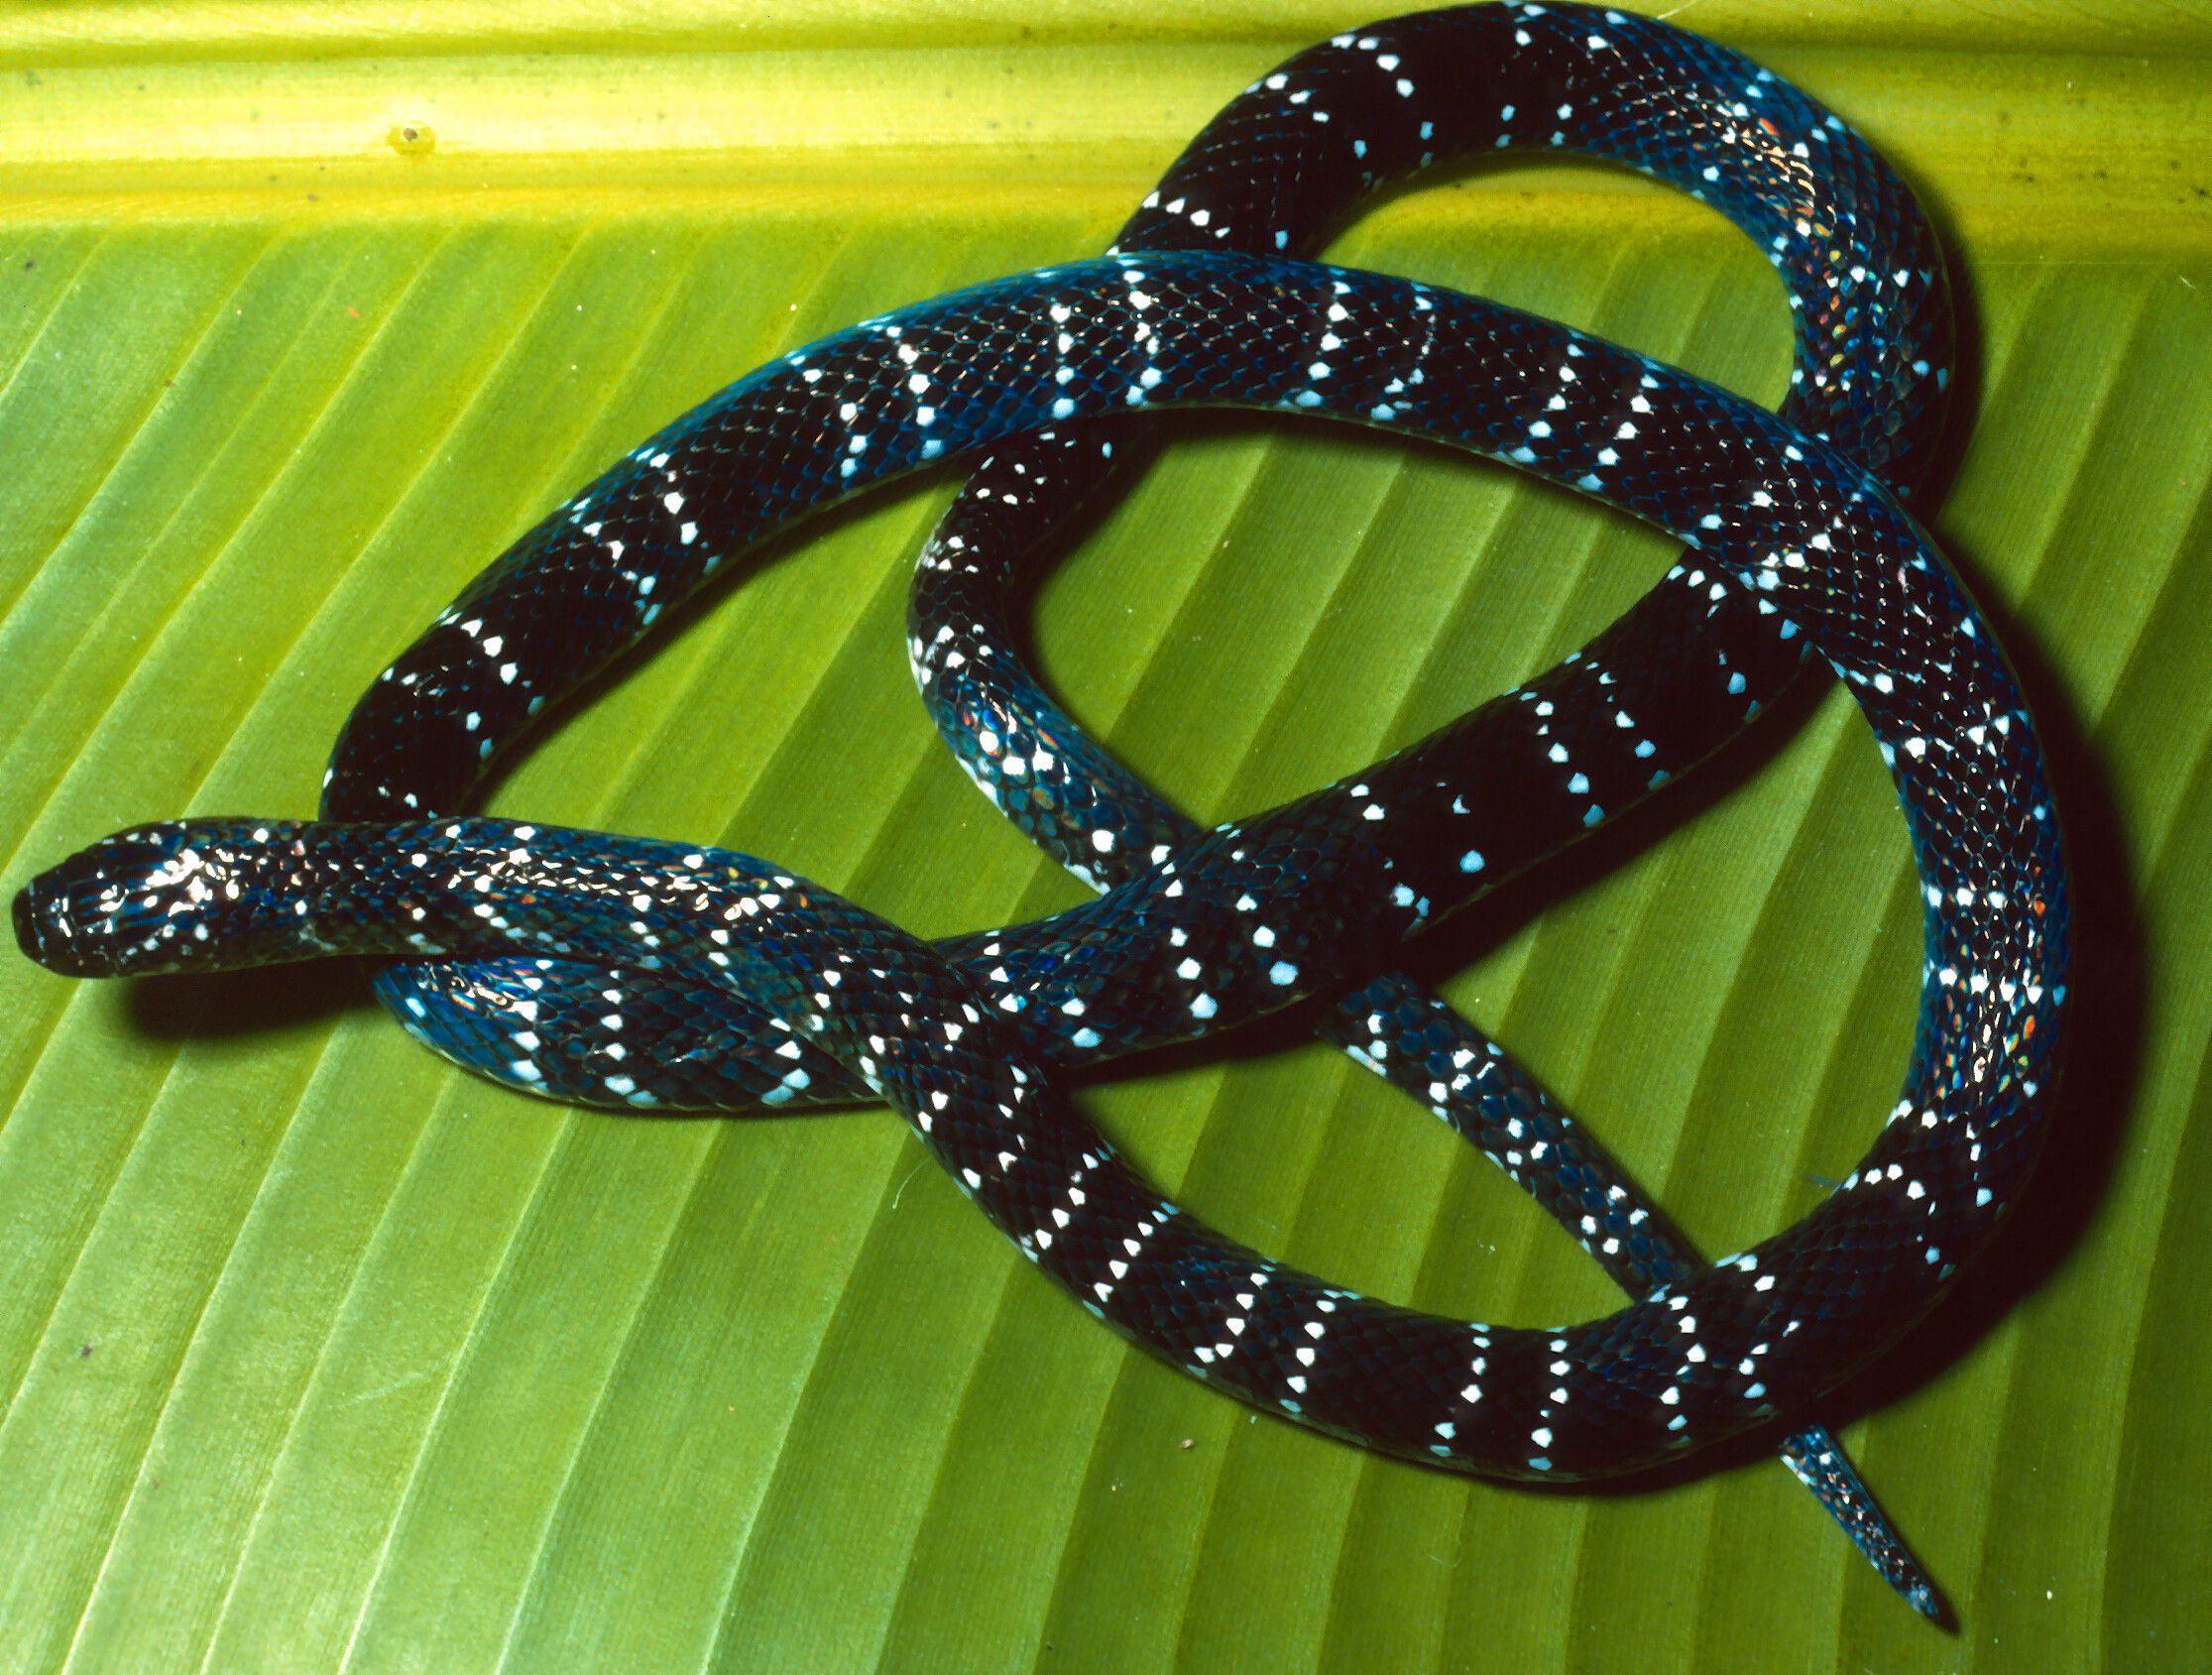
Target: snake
[
  {"x": 1792, "y": 541},
  {"x": 1267, "y": 175}
]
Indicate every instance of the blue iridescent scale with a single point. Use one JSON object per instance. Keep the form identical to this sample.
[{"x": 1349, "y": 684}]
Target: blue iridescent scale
[{"x": 1790, "y": 542}]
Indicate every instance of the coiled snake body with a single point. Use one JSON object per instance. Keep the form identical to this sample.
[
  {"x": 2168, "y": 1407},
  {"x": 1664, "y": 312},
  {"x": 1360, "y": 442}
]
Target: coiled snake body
[{"x": 735, "y": 983}]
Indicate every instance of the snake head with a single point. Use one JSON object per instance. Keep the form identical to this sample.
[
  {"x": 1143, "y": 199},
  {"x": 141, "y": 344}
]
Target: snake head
[{"x": 181, "y": 895}]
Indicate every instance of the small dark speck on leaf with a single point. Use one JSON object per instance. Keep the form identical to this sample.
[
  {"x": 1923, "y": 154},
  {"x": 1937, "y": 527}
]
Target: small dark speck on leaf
[
  {"x": 30, "y": 262},
  {"x": 84, "y": 1352}
]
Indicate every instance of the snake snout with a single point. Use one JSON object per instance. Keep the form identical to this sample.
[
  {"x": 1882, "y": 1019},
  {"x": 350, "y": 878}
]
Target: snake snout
[{"x": 36, "y": 931}]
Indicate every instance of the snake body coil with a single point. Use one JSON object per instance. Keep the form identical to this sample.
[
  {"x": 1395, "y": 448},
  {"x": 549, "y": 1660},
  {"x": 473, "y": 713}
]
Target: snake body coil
[{"x": 1791, "y": 543}]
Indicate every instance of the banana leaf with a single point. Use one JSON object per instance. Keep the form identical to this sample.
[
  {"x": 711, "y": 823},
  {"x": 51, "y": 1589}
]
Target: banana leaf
[{"x": 316, "y": 1354}]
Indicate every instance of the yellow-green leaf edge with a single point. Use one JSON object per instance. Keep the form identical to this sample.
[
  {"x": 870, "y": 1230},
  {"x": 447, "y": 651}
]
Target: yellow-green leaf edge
[{"x": 314, "y": 1355}]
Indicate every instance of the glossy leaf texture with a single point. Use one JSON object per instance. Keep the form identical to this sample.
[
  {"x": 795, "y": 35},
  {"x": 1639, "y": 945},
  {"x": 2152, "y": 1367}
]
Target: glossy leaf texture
[{"x": 315, "y": 1355}]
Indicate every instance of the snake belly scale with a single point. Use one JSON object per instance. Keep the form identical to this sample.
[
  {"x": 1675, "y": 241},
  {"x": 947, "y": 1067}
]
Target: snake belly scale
[{"x": 1806, "y": 541}]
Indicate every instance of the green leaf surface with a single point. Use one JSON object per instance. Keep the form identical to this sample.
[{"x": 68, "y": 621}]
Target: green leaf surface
[{"x": 317, "y": 1354}]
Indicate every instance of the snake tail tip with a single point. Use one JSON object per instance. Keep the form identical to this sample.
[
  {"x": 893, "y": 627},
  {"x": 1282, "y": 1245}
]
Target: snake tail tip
[{"x": 1922, "y": 1598}]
